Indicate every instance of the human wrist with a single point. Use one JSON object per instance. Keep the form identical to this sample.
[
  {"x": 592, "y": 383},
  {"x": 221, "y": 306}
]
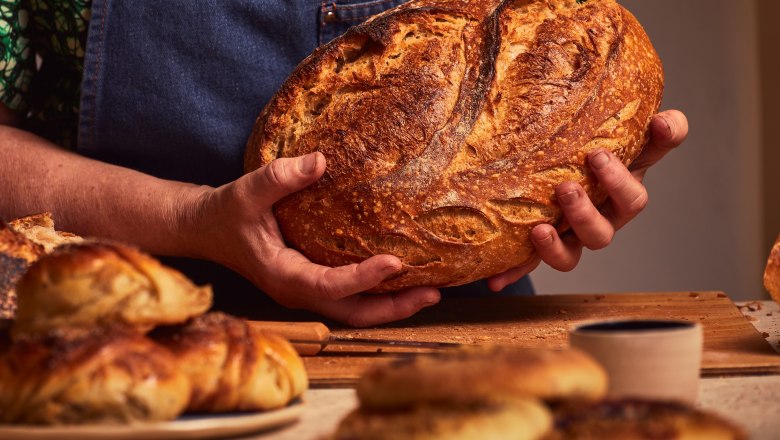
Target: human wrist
[{"x": 186, "y": 218}]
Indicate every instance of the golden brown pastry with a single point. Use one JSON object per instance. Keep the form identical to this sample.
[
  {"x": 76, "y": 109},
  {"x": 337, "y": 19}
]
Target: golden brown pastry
[
  {"x": 103, "y": 377},
  {"x": 23, "y": 241},
  {"x": 40, "y": 229},
  {"x": 507, "y": 393},
  {"x": 82, "y": 286},
  {"x": 772, "y": 272},
  {"x": 447, "y": 125},
  {"x": 16, "y": 254},
  {"x": 639, "y": 420},
  {"x": 521, "y": 419},
  {"x": 16, "y": 245},
  {"x": 483, "y": 374},
  {"x": 234, "y": 366}
]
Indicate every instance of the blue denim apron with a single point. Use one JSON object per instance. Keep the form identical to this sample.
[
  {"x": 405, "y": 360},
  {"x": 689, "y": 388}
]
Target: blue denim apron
[{"x": 172, "y": 88}]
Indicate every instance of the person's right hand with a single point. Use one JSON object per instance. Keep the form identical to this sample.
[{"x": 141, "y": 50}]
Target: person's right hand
[{"x": 235, "y": 226}]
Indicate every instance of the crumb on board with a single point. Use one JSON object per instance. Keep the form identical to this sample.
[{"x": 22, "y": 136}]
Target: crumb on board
[{"x": 753, "y": 306}]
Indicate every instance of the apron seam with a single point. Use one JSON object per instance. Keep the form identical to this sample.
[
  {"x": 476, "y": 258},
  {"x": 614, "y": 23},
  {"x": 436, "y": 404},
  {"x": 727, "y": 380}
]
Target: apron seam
[
  {"x": 93, "y": 77},
  {"x": 360, "y": 5},
  {"x": 98, "y": 63}
]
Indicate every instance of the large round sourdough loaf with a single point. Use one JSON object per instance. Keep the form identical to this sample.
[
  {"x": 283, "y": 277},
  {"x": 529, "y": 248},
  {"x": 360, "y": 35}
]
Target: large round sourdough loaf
[{"x": 446, "y": 126}]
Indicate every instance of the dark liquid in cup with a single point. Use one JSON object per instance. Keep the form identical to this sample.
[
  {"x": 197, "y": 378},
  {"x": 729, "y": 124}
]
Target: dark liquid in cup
[{"x": 638, "y": 325}]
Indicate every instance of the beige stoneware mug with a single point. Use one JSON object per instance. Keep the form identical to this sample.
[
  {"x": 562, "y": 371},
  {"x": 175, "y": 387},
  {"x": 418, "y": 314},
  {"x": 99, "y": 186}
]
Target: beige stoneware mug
[{"x": 653, "y": 359}]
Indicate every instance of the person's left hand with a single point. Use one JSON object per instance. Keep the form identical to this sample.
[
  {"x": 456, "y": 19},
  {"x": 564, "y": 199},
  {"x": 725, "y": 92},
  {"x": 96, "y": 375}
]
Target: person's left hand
[{"x": 592, "y": 227}]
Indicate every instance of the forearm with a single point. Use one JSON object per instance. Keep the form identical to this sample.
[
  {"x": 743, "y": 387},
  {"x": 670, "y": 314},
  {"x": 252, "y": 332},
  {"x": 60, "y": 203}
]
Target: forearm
[{"x": 92, "y": 198}]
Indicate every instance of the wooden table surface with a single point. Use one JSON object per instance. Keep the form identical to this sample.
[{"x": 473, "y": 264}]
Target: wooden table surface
[{"x": 750, "y": 400}]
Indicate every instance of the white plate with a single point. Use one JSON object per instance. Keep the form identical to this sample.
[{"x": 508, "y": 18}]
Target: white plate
[{"x": 185, "y": 427}]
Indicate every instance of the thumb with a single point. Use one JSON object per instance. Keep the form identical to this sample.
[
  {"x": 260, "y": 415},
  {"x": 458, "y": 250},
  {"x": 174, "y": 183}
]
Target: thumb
[{"x": 285, "y": 176}]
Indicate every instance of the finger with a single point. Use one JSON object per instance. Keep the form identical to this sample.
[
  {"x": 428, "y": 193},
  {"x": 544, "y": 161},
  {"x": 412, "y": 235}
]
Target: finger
[
  {"x": 560, "y": 254},
  {"x": 285, "y": 176},
  {"x": 374, "y": 309},
  {"x": 497, "y": 282},
  {"x": 668, "y": 130},
  {"x": 333, "y": 283},
  {"x": 628, "y": 197},
  {"x": 593, "y": 229}
]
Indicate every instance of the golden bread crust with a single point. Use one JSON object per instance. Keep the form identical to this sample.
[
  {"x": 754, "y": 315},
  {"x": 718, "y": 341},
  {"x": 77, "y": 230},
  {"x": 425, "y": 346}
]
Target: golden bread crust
[
  {"x": 492, "y": 373},
  {"x": 639, "y": 420},
  {"x": 23, "y": 241},
  {"x": 104, "y": 377},
  {"x": 447, "y": 126},
  {"x": 16, "y": 254},
  {"x": 521, "y": 419},
  {"x": 233, "y": 366},
  {"x": 104, "y": 284},
  {"x": 14, "y": 244},
  {"x": 772, "y": 272},
  {"x": 39, "y": 228}
]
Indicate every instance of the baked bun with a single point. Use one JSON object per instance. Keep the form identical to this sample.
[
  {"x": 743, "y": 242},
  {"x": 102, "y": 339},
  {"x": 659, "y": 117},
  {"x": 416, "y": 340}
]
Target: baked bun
[
  {"x": 23, "y": 241},
  {"x": 103, "y": 377},
  {"x": 520, "y": 419},
  {"x": 39, "y": 228},
  {"x": 446, "y": 127},
  {"x": 81, "y": 286},
  {"x": 234, "y": 366},
  {"x": 639, "y": 420},
  {"x": 15, "y": 245},
  {"x": 483, "y": 374},
  {"x": 772, "y": 272},
  {"x": 17, "y": 252}
]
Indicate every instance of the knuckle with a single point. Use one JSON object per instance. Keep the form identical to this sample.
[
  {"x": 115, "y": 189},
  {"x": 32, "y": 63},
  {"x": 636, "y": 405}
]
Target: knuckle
[
  {"x": 638, "y": 203},
  {"x": 276, "y": 174},
  {"x": 328, "y": 289},
  {"x": 600, "y": 241},
  {"x": 641, "y": 201}
]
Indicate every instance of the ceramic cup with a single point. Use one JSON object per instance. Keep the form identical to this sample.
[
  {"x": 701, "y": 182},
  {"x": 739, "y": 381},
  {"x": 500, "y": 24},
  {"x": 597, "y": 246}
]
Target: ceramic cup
[{"x": 654, "y": 359}]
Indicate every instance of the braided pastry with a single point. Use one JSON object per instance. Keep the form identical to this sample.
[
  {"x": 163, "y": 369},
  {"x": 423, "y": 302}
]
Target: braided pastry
[{"x": 234, "y": 366}]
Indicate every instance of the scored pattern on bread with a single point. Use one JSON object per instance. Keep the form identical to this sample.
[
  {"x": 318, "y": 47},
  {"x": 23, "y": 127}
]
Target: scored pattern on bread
[{"x": 447, "y": 125}]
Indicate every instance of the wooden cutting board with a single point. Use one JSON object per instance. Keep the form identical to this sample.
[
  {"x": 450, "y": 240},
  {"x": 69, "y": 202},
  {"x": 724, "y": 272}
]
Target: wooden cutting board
[{"x": 731, "y": 344}]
